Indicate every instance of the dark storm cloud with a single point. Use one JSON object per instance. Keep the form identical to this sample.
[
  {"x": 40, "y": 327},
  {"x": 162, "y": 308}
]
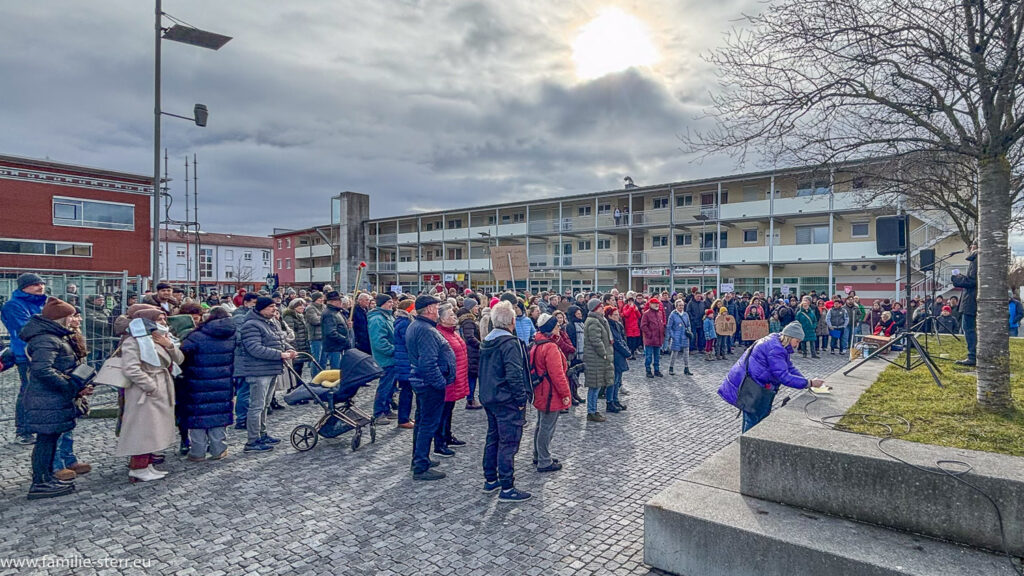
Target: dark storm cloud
[{"x": 422, "y": 105}]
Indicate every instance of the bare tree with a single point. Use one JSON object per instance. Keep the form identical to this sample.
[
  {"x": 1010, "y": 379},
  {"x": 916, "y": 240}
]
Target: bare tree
[
  {"x": 1016, "y": 274},
  {"x": 826, "y": 81}
]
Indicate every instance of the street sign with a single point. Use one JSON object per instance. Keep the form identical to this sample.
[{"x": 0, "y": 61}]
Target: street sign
[
  {"x": 727, "y": 287},
  {"x": 397, "y": 289},
  {"x": 449, "y": 277}
]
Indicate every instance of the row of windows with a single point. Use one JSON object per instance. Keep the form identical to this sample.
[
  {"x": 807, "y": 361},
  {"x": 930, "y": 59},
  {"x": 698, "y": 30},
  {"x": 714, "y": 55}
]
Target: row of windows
[
  {"x": 229, "y": 255},
  {"x": 45, "y": 248},
  {"x": 93, "y": 214}
]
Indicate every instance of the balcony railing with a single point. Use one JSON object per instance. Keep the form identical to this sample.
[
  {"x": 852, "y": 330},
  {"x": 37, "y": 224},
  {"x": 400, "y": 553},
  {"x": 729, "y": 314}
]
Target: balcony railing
[
  {"x": 387, "y": 266},
  {"x": 709, "y": 255},
  {"x": 710, "y": 211}
]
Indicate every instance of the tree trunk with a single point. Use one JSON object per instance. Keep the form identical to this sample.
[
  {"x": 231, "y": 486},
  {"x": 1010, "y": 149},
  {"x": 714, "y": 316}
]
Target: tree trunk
[{"x": 992, "y": 283}]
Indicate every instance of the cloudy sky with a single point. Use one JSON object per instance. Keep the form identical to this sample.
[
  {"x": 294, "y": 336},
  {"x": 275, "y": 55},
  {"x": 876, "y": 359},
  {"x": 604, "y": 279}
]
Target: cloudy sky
[{"x": 420, "y": 104}]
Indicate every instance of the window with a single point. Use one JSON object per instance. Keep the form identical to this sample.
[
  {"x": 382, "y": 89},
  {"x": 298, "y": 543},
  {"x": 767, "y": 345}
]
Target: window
[
  {"x": 604, "y": 244},
  {"x": 303, "y": 240},
  {"x": 684, "y": 239},
  {"x": 429, "y": 226},
  {"x": 859, "y": 230},
  {"x": 682, "y": 201},
  {"x": 659, "y": 241},
  {"x": 860, "y": 182},
  {"x": 707, "y": 199},
  {"x": 604, "y": 208},
  {"x": 247, "y": 256},
  {"x": 278, "y": 243},
  {"x": 814, "y": 187},
  {"x": 44, "y": 248},
  {"x": 750, "y": 236},
  {"x": 660, "y": 203},
  {"x": 455, "y": 253},
  {"x": 491, "y": 220},
  {"x": 266, "y": 256},
  {"x": 279, "y": 266},
  {"x": 180, "y": 252},
  {"x": 287, "y": 263},
  {"x": 812, "y": 234},
  {"x": 437, "y": 253},
  {"x": 287, "y": 243},
  {"x": 583, "y": 211},
  {"x": 93, "y": 214},
  {"x": 230, "y": 254},
  {"x": 229, "y": 272},
  {"x": 206, "y": 262},
  {"x": 179, "y": 270},
  {"x": 456, "y": 223},
  {"x": 519, "y": 217},
  {"x": 583, "y": 246},
  {"x": 505, "y": 218}
]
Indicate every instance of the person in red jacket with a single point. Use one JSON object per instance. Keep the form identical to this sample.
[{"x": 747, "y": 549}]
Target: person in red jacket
[
  {"x": 631, "y": 321},
  {"x": 239, "y": 298},
  {"x": 652, "y": 327},
  {"x": 447, "y": 320},
  {"x": 565, "y": 344},
  {"x": 551, "y": 395}
]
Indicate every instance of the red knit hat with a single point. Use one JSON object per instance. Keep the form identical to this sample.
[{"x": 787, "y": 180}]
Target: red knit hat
[
  {"x": 829, "y": 305},
  {"x": 709, "y": 312},
  {"x": 947, "y": 309}
]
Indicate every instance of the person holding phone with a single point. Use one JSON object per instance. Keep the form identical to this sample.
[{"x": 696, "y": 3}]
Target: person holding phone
[{"x": 968, "y": 284}]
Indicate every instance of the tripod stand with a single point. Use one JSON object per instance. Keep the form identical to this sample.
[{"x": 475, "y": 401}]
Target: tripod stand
[{"x": 906, "y": 338}]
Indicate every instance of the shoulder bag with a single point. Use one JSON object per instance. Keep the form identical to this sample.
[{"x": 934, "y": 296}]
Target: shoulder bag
[
  {"x": 751, "y": 396},
  {"x": 111, "y": 374}
]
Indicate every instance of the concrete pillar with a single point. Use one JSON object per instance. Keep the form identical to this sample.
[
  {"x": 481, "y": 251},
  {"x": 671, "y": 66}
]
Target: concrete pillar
[{"x": 353, "y": 209}]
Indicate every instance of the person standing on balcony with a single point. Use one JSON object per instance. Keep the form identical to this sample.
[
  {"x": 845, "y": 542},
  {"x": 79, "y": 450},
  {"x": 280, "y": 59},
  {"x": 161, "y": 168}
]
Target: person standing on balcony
[
  {"x": 968, "y": 285},
  {"x": 618, "y": 217},
  {"x": 27, "y": 301}
]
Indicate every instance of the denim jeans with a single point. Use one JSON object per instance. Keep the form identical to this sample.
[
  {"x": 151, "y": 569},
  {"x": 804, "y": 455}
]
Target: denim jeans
[
  {"x": 592, "y": 400},
  {"x": 652, "y": 355},
  {"x": 404, "y": 401},
  {"x": 65, "y": 456},
  {"x": 333, "y": 360},
  {"x": 721, "y": 343},
  {"x": 19, "y": 402},
  {"x": 1013, "y": 331},
  {"x": 750, "y": 419},
  {"x": 261, "y": 391},
  {"x": 385, "y": 389},
  {"x": 611, "y": 394},
  {"x": 969, "y": 324},
  {"x": 504, "y": 431},
  {"x": 207, "y": 440},
  {"x": 429, "y": 409},
  {"x": 241, "y": 399},
  {"x": 472, "y": 389},
  {"x": 316, "y": 348},
  {"x": 444, "y": 431}
]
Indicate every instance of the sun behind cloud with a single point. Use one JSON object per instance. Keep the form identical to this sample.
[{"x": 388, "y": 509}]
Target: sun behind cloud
[{"x": 612, "y": 42}]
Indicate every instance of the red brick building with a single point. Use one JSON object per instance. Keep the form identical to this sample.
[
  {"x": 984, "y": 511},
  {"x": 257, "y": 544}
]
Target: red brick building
[{"x": 62, "y": 217}]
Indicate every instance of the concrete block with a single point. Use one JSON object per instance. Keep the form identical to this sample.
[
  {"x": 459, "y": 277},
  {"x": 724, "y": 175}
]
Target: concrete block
[
  {"x": 790, "y": 459},
  {"x": 696, "y": 529}
]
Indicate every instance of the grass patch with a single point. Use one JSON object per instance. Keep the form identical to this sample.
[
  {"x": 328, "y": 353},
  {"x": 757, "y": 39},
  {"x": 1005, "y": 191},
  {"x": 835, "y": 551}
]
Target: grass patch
[{"x": 946, "y": 416}]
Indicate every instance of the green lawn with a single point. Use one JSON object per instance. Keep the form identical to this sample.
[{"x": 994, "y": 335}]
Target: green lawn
[{"x": 945, "y": 416}]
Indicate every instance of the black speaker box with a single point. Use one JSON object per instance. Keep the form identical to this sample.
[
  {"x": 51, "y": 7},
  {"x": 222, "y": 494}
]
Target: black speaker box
[
  {"x": 927, "y": 256},
  {"x": 891, "y": 235}
]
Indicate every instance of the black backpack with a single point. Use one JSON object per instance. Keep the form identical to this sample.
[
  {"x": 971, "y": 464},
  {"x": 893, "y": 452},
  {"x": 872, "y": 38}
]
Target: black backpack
[{"x": 535, "y": 377}]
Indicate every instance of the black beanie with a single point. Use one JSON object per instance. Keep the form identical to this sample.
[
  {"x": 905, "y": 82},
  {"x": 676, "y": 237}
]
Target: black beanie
[{"x": 262, "y": 302}]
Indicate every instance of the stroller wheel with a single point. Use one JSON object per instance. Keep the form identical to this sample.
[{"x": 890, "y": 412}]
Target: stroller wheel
[
  {"x": 304, "y": 437},
  {"x": 373, "y": 434},
  {"x": 357, "y": 439}
]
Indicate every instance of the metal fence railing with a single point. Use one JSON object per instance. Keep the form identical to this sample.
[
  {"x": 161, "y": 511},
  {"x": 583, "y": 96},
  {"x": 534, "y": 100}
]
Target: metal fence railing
[{"x": 99, "y": 296}]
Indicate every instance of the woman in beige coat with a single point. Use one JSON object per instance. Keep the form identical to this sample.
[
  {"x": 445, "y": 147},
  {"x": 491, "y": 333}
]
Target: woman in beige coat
[{"x": 147, "y": 424}]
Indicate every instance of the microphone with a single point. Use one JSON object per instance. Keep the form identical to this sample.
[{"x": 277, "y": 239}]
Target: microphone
[{"x": 954, "y": 253}]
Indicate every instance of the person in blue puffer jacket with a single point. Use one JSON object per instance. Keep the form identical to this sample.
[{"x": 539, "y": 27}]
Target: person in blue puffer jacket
[
  {"x": 431, "y": 369},
  {"x": 404, "y": 313},
  {"x": 770, "y": 366},
  {"x": 206, "y": 388},
  {"x": 25, "y": 302}
]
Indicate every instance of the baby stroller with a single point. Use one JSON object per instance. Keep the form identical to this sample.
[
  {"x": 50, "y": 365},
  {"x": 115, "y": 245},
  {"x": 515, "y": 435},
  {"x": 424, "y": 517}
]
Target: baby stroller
[{"x": 333, "y": 391}]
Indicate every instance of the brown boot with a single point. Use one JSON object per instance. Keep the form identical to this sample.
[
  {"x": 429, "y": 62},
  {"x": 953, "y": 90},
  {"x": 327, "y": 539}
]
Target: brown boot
[
  {"x": 65, "y": 474},
  {"x": 81, "y": 468}
]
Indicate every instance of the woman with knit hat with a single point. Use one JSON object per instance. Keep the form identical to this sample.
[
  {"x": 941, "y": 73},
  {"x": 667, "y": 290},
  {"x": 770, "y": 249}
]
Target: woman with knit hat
[
  {"x": 551, "y": 395},
  {"x": 50, "y": 393},
  {"x": 147, "y": 424}
]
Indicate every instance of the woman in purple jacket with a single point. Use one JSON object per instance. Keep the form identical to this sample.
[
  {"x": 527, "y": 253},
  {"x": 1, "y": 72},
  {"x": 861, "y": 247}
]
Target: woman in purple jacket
[{"x": 771, "y": 367}]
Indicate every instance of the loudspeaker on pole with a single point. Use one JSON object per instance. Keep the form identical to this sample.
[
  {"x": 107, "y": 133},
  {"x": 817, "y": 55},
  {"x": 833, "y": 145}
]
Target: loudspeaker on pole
[{"x": 891, "y": 235}]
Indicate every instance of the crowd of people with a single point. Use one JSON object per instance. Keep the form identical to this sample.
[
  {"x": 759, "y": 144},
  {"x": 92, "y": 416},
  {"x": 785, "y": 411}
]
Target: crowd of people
[{"x": 192, "y": 368}]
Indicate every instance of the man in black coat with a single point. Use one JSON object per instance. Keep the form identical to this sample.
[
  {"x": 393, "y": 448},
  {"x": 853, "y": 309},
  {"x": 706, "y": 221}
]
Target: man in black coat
[
  {"x": 505, "y": 390},
  {"x": 968, "y": 284},
  {"x": 334, "y": 330},
  {"x": 360, "y": 323},
  {"x": 431, "y": 369}
]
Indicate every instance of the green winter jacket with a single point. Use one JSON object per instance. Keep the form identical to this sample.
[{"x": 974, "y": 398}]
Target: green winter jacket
[{"x": 380, "y": 324}]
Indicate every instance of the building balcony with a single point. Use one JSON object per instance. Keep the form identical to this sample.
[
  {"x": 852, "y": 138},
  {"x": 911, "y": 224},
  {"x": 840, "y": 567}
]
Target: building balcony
[
  {"x": 800, "y": 253},
  {"x": 405, "y": 266},
  {"x": 802, "y": 205},
  {"x": 384, "y": 239},
  {"x": 743, "y": 210},
  {"x": 408, "y": 238},
  {"x": 319, "y": 251},
  {"x": 518, "y": 229},
  {"x": 745, "y": 254},
  {"x": 479, "y": 264},
  {"x": 856, "y": 251},
  {"x": 431, "y": 236},
  {"x": 302, "y": 252},
  {"x": 456, "y": 234},
  {"x": 387, "y": 266},
  {"x": 478, "y": 232}
]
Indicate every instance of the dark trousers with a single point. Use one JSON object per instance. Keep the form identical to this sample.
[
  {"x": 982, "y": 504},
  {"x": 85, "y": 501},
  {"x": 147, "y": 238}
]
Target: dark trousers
[
  {"x": 404, "y": 401},
  {"x": 504, "y": 431},
  {"x": 750, "y": 419},
  {"x": 698, "y": 343},
  {"x": 42, "y": 457},
  {"x": 19, "y": 402},
  {"x": 429, "y": 409},
  {"x": 635, "y": 343},
  {"x": 444, "y": 431},
  {"x": 969, "y": 323}
]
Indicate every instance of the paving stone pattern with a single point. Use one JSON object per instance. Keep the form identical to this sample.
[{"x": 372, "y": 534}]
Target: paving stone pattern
[{"x": 334, "y": 511}]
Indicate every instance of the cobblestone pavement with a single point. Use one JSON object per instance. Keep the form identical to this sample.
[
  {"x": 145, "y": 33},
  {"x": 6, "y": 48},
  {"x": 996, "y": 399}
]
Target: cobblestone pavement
[{"x": 334, "y": 511}]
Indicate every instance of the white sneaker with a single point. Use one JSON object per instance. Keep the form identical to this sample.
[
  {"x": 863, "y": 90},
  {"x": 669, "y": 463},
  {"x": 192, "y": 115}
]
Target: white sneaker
[
  {"x": 144, "y": 475},
  {"x": 155, "y": 471}
]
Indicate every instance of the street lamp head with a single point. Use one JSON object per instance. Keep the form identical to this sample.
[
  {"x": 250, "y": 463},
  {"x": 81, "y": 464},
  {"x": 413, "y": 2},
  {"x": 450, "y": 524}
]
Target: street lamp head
[
  {"x": 195, "y": 37},
  {"x": 201, "y": 114}
]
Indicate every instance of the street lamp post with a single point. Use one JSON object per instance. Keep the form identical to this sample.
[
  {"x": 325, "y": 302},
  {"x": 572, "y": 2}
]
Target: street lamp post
[
  {"x": 185, "y": 35},
  {"x": 703, "y": 219}
]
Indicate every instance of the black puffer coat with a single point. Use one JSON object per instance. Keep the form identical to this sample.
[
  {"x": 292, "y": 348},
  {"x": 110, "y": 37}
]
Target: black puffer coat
[
  {"x": 49, "y": 396},
  {"x": 297, "y": 323},
  {"x": 470, "y": 331},
  {"x": 205, "y": 393}
]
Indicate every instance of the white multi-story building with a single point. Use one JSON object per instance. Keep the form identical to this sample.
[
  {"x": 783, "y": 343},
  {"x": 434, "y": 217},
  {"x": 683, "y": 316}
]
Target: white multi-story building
[
  {"x": 225, "y": 262},
  {"x": 782, "y": 231}
]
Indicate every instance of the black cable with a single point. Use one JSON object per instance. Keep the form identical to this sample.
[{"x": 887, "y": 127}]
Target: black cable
[{"x": 887, "y": 422}]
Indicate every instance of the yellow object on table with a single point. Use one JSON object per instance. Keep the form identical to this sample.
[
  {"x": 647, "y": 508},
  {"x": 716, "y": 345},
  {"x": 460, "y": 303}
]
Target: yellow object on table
[{"x": 328, "y": 378}]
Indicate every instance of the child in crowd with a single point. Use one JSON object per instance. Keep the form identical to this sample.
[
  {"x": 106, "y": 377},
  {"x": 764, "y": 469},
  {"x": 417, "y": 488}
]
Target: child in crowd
[
  {"x": 774, "y": 326},
  {"x": 710, "y": 338}
]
